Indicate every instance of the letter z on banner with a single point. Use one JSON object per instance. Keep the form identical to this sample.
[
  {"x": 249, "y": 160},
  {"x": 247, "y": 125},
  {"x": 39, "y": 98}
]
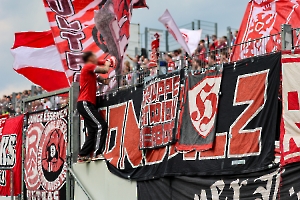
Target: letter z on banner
[
  {"x": 10, "y": 157},
  {"x": 199, "y": 110},
  {"x": 290, "y": 127},
  {"x": 45, "y": 154}
]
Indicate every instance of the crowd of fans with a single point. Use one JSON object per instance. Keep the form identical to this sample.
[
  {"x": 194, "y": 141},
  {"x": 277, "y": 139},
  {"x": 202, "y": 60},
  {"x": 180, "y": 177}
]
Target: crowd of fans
[
  {"x": 208, "y": 53},
  {"x": 12, "y": 104}
]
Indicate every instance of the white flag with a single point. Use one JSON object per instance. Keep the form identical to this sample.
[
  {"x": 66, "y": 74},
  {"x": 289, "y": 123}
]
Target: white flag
[
  {"x": 171, "y": 26},
  {"x": 192, "y": 38}
]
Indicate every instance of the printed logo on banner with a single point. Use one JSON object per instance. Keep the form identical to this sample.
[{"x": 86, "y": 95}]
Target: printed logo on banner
[
  {"x": 45, "y": 159},
  {"x": 203, "y": 99},
  {"x": 52, "y": 166}
]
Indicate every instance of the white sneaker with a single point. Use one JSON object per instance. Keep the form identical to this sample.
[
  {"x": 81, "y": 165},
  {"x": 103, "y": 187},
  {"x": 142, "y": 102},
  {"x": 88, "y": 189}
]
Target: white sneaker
[{"x": 98, "y": 157}]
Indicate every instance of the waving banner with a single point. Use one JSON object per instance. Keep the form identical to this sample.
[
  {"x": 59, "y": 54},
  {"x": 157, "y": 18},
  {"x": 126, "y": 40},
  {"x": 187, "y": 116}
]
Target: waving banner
[
  {"x": 101, "y": 26},
  {"x": 167, "y": 20},
  {"x": 11, "y": 151},
  {"x": 45, "y": 154},
  {"x": 263, "y": 19},
  {"x": 245, "y": 130},
  {"x": 192, "y": 38},
  {"x": 290, "y": 131},
  {"x": 199, "y": 110}
]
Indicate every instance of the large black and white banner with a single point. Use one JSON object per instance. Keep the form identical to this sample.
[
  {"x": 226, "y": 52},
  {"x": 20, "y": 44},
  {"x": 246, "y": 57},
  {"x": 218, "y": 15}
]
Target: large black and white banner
[
  {"x": 245, "y": 128},
  {"x": 199, "y": 110},
  {"x": 259, "y": 185}
]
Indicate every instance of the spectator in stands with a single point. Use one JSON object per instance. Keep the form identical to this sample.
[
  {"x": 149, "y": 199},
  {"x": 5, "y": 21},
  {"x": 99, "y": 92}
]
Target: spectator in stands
[
  {"x": 224, "y": 57},
  {"x": 201, "y": 51},
  {"x": 176, "y": 58},
  {"x": 47, "y": 104},
  {"x": 170, "y": 63},
  {"x": 136, "y": 61},
  {"x": 211, "y": 61},
  {"x": 234, "y": 37},
  {"x": 127, "y": 75},
  {"x": 214, "y": 43},
  {"x": 196, "y": 64},
  {"x": 222, "y": 43}
]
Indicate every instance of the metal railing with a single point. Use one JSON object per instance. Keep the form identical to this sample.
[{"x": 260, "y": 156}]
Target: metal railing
[{"x": 288, "y": 39}]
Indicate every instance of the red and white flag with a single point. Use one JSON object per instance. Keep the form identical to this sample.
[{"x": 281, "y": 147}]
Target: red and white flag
[
  {"x": 192, "y": 38},
  {"x": 263, "y": 19},
  {"x": 167, "y": 20},
  {"x": 37, "y": 58},
  {"x": 290, "y": 127}
]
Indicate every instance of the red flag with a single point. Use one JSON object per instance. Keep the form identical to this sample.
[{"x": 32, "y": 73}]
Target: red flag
[
  {"x": 11, "y": 140},
  {"x": 262, "y": 19},
  {"x": 37, "y": 58},
  {"x": 167, "y": 20}
]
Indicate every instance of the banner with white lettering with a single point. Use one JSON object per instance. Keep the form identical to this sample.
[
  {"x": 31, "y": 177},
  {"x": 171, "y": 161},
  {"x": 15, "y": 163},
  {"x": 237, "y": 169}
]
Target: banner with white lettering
[
  {"x": 45, "y": 154},
  {"x": 245, "y": 130},
  {"x": 159, "y": 111},
  {"x": 10, "y": 157},
  {"x": 290, "y": 129},
  {"x": 199, "y": 110},
  {"x": 259, "y": 185}
]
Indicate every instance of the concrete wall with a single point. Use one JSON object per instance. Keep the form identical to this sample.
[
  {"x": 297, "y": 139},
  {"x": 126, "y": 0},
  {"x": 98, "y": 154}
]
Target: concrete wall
[{"x": 101, "y": 184}]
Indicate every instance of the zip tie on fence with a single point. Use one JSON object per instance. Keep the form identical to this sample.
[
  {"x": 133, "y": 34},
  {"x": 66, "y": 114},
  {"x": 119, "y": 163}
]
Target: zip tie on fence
[{"x": 234, "y": 64}]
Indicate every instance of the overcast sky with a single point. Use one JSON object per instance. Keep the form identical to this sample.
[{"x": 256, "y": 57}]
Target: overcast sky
[{"x": 16, "y": 16}]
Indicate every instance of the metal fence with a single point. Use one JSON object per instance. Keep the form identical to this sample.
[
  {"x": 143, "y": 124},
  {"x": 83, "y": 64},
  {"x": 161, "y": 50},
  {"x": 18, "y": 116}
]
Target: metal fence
[{"x": 287, "y": 39}]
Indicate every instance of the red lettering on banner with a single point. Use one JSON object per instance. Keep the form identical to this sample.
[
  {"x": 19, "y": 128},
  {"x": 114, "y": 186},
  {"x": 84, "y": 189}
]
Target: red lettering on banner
[
  {"x": 74, "y": 40},
  {"x": 63, "y": 24},
  {"x": 169, "y": 86},
  {"x": 161, "y": 89},
  {"x": 250, "y": 90},
  {"x": 146, "y": 115},
  {"x": 218, "y": 150},
  {"x": 131, "y": 141},
  {"x": 176, "y": 80},
  {"x": 154, "y": 156},
  {"x": 74, "y": 61},
  {"x": 115, "y": 122},
  {"x": 293, "y": 100},
  {"x": 61, "y": 7},
  {"x": 155, "y": 113},
  {"x": 154, "y": 95}
]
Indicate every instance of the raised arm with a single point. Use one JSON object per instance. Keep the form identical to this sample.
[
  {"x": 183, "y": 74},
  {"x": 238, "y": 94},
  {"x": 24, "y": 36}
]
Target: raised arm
[{"x": 103, "y": 69}]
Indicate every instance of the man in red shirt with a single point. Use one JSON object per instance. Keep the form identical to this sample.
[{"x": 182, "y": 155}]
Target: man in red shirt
[
  {"x": 171, "y": 64},
  {"x": 86, "y": 106}
]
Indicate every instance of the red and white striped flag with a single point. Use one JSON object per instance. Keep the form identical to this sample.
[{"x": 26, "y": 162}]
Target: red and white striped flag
[
  {"x": 167, "y": 20},
  {"x": 37, "y": 58}
]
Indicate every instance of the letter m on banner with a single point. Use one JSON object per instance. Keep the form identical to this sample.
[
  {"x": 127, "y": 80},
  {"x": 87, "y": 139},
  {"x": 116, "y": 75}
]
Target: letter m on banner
[{"x": 290, "y": 126}]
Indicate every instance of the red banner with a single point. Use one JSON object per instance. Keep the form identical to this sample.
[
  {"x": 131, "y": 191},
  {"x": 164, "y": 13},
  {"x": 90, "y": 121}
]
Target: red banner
[
  {"x": 11, "y": 141},
  {"x": 263, "y": 19},
  {"x": 290, "y": 127}
]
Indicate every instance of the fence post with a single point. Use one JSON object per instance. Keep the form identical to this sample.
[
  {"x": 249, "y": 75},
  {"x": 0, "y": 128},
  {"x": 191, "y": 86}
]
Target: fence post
[
  {"x": 286, "y": 37},
  {"x": 216, "y": 29},
  {"x": 167, "y": 41},
  {"x": 229, "y": 39},
  {"x": 199, "y": 24},
  {"x": 193, "y": 25},
  {"x": 73, "y": 137},
  {"x": 146, "y": 39}
]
